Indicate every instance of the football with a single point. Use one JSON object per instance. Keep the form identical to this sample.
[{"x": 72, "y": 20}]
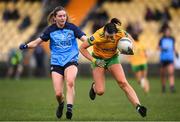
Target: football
[{"x": 125, "y": 46}]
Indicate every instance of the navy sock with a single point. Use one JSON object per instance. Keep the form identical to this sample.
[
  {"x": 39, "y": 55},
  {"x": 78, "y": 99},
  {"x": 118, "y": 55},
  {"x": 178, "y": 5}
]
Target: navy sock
[
  {"x": 69, "y": 107},
  {"x": 61, "y": 103}
]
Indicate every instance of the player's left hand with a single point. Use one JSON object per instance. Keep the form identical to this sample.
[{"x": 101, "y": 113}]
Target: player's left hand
[{"x": 99, "y": 62}]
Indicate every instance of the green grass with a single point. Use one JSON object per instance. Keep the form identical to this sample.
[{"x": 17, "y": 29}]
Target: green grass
[{"x": 33, "y": 99}]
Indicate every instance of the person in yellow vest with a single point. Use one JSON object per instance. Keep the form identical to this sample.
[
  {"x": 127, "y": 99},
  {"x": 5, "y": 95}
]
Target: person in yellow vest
[
  {"x": 138, "y": 63},
  {"x": 15, "y": 66},
  {"x": 105, "y": 57}
]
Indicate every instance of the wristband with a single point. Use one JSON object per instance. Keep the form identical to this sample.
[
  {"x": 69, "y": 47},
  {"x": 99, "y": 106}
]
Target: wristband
[{"x": 94, "y": 60}]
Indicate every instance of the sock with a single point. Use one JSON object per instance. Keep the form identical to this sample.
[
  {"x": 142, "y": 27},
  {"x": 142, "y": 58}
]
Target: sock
[
  {"x": 61, "y": 103},
  {"x": 138, "y": 107},
  {"x": 142, "y": 82},
  {"x": 69, "y": 107}
]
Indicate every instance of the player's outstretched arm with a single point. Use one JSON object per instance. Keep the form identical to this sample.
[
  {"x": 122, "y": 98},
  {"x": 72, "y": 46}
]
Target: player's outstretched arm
[
  {"x": 85, "y": 53},
  {"x": 31, "y": 44}
]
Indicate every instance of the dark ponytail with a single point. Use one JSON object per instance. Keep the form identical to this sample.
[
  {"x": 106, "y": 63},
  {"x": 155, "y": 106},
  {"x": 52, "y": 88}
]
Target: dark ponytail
[
  {"x": 116, "y": 21},
  {"x": 111, "y": 27}
]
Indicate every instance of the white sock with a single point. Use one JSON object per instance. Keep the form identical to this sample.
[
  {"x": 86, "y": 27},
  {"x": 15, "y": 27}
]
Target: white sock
[{"x": 142, "y": 82}]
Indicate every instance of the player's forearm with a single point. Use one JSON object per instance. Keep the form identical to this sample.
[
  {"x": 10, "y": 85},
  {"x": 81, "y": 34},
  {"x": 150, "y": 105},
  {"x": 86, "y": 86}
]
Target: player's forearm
[
  {"x": 83, "y": 38},
  {"x": 34, "y": 43},
  {"x": 86, "y": 54}
]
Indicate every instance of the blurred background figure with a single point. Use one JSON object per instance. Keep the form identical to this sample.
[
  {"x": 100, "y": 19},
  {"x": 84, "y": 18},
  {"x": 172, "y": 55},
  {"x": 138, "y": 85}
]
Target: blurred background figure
[
  {"x": 139, "y": 64},
  {"x": 149, "y": 15},
  {"x": 26, "y": 22},
  {"x": 175, "y": 4},
  {"x": 10, "y": 12},
  {"x": 100, "y": 17},
  {"x": 166, "y": 16},
  {"x": 15, "y": 66},
  {"x": 39, "y": 55},
  {"x": 167, "y": 52}
]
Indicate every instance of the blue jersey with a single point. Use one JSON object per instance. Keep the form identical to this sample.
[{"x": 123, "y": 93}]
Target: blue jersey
[
  {"x": 166, "y": 45},
  {"x": 63, "y": 43}
]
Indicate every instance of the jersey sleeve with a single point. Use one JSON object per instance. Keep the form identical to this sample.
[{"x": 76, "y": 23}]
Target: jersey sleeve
[
  {"x": 144, "y": 46},
  {"x": 125, "y": 33},
  {"x": 96, "y": 37},
  {"x": 78, "y": 33},
  {"x": 122, "y": 33},
  {"x": 45, "y": 36}
]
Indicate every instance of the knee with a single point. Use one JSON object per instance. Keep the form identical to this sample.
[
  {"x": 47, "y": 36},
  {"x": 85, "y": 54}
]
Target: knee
[
  {"x": 70, "y": 84},
  {"x": 59, "y": 94},
  {"x": 123, "y": 84},
  {"x": 171, "y": 74},
  {"x": 100, "y": 92}
]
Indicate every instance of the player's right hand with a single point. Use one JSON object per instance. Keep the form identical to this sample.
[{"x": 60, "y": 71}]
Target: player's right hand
[
  {"x": 99, "y": 62},
  {"x": 23, "y": 46},
  {"x": 128, "y": 52}
]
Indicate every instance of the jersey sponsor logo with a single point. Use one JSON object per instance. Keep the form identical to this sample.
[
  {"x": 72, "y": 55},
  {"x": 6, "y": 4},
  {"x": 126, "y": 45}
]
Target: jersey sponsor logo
[
  {"x": 91, "y": 38},
  {"x": 62, "y": 39},
  {"x": 109, "y": 49}
]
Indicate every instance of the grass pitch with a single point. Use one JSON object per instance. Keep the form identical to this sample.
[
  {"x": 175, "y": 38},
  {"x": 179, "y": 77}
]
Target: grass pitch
[{"x": 32, "y": 99}]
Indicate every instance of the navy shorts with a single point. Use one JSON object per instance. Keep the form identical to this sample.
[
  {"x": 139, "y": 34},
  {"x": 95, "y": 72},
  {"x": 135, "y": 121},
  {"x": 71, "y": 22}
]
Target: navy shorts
[
  {"x": 165, "y": 63},
  {"x": 60, "y": 69}
]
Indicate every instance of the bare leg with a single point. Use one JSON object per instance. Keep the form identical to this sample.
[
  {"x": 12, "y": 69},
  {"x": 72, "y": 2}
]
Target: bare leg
[
  {"x": 58, "y": 84},
  {"x": 146, "y": 81},
  {"x": 70, "y": 74},
  {"x": 163, "y": 78},
  {"x": 118, "y": 73},
  {"x": 138, "y": 76},
  {"x": 70, "y": 77},
  {"x": 18, "y": 71},
  {"x": 99, "y": 79},
  {"x": 170, "y": 69}
]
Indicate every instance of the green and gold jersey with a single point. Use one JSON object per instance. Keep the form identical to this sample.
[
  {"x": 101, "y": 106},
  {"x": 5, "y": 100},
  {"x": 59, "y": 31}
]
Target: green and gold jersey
[
  {"x": 139, "y": 56},
  {"x": 104, "y": 48}
]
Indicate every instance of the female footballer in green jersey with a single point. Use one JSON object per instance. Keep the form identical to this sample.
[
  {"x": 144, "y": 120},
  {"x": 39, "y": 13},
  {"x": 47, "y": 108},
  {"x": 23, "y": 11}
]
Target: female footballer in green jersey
[
  {"x": 105, "y": 56},
  {"x": 138, "y": 63}
]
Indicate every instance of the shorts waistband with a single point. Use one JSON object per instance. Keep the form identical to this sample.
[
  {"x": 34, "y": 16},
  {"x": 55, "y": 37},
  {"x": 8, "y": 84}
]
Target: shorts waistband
[{"x": 93, "y": 55}]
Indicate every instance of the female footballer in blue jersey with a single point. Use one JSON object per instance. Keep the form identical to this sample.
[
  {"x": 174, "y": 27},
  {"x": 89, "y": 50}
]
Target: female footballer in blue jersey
[
  {"x": 167, "y": 51},
  {"x": 64, "y": 56}
]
